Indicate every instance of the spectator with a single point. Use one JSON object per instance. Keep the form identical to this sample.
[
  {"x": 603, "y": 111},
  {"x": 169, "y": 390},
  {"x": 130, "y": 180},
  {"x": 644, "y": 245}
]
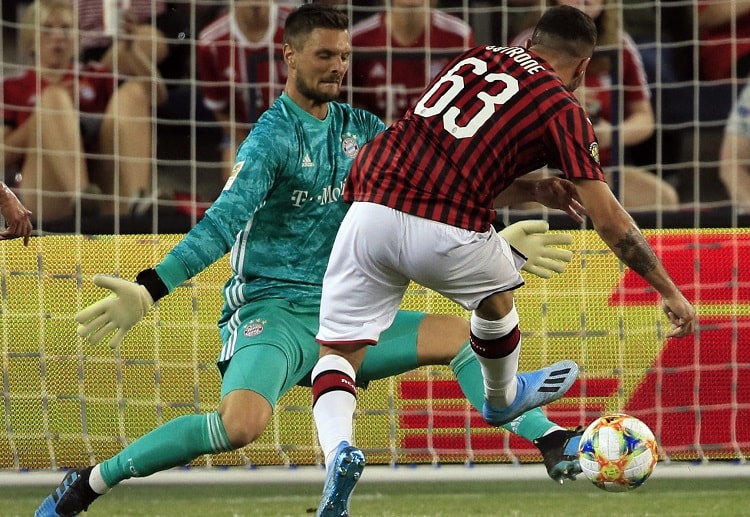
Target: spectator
[
  {"x": 397, "y": 52},
  {"x": 56, "y": 110},
  {"x": 241, "y": 68},
  {"x": 641, "y": 188},
  {"x": 724, "y": 39},
  {"x": 734, "y": 156},
  {"x": 160, "y": 29}
]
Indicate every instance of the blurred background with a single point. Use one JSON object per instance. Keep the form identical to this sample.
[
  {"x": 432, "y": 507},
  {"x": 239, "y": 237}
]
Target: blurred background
[{"x": 659, "y": 91}]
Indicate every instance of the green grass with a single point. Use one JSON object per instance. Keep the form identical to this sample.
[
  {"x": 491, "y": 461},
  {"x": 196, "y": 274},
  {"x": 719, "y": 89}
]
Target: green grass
[{"x": 683, "y": 497}]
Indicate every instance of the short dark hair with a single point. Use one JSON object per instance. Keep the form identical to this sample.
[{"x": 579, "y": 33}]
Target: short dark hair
[
  {"x": 566, "y": 29},
  {"x": 308, "y": 17}
]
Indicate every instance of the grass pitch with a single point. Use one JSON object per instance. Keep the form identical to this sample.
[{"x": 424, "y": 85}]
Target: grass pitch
[{"x": 658, "y": 497}]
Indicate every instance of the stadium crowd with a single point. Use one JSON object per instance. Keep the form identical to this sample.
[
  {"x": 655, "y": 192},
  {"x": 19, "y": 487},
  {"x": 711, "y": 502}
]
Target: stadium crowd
[{"x": 163, "y": 98}]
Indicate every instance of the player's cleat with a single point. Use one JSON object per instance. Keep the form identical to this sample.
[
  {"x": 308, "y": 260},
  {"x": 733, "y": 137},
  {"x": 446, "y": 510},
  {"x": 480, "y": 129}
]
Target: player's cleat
[
  {"x": 560, "y": 452},
  {"x": 340, "y": 481},
  {"x": 534, "y": 389},
  {"x": 73, "y": 496}
]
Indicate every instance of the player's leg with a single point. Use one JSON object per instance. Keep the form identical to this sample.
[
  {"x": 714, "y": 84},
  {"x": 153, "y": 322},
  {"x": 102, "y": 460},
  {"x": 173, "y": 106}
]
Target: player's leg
[
  {"x": 334, "y": 401},
  {"x": 416, "y": 339},
  {"x": 441, "y": 340},
  {"x": 361, "y": 296},
  {"x": 267, "y": 362},
  {"x": 479, "y": 271},
  {"x": 274, "y": 350},
  {"x": 559, "y": 446},
  {"x": 496, "y": 342},
  {"x": 173, "y": 444}
]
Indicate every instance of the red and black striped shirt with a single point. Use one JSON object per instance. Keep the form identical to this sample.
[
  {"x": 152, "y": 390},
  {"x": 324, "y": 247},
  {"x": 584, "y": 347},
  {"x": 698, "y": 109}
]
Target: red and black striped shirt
[{"x": 493, "y": 114}]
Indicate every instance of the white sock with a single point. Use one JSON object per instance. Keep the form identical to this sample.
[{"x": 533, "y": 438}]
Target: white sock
[
  {"x": 96, "y": 481},
  {"x": 334, "y": 411},
  {"x": 500, "y": 383}
]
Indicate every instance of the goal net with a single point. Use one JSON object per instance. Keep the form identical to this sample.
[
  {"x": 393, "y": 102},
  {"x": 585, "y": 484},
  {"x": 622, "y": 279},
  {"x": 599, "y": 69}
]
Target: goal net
[{"x": 66, "y": 403}]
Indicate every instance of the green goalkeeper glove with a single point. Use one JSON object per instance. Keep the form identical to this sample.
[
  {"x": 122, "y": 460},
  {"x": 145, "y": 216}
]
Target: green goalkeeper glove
[
  {"x": 543, "y": 257},
  {"x": 120, "y": 311}
]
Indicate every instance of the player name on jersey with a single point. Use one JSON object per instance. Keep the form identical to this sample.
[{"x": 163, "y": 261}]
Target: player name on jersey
[{"x": 521, "y": 57}]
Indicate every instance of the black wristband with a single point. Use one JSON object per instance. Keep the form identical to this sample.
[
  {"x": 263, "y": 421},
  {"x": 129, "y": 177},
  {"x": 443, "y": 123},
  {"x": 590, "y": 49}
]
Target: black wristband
[{"x": 153, "y": 283}]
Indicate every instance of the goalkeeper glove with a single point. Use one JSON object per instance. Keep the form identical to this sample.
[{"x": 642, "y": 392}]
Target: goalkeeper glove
[
  {"x": 120, "y": 311},
  {"x": 543, "y": 257}
]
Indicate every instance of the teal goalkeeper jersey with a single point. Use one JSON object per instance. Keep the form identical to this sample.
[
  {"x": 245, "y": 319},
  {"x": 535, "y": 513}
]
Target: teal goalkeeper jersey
[{"x": 280, "y": 210}]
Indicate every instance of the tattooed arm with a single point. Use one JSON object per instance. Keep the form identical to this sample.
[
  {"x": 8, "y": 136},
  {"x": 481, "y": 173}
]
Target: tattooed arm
[{"x": 619, "y": 231}]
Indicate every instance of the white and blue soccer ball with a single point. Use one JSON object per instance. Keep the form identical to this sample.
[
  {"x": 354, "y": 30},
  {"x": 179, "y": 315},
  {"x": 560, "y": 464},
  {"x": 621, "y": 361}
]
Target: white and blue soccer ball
[{"x": 618, "y": 452}]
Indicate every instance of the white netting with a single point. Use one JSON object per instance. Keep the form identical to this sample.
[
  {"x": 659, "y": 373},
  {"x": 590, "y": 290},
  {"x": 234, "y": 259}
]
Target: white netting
[{"x": 65, "y": 404}]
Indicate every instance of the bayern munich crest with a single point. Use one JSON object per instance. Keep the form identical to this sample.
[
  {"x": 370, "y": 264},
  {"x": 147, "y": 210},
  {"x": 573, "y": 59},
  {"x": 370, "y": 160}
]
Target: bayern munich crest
[
  {"x": 254, "y": 328},
  {"x": 350, "y": 147}
]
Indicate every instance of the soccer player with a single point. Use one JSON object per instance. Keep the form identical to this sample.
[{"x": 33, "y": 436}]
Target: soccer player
[
  {"x": 277, "y": 217},
  {"x": 422, "y": 196}
]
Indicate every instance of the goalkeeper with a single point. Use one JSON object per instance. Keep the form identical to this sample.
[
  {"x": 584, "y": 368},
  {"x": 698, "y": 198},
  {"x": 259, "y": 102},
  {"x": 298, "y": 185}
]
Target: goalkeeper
[{"x": 277, "y": 217}]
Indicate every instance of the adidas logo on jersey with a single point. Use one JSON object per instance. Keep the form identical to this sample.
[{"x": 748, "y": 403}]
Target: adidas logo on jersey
[{"x": 307, "y": 162}]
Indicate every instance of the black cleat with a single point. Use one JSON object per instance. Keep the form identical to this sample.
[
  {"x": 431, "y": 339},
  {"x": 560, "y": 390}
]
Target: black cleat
[
  {"x": 560, "y": 452},
  {"x": 73, "y": 496}
]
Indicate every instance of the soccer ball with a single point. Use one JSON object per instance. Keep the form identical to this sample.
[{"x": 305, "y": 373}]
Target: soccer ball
[{"x": 617, "y": 452}]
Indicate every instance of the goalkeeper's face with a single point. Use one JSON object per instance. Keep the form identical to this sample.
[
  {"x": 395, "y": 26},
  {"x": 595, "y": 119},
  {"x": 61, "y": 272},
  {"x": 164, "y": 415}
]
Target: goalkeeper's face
[{"x": 319, "y": 66}]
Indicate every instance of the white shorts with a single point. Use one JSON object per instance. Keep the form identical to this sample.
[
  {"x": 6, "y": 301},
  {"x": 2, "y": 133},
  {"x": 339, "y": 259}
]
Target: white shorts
[{"x": 378, "y": 250}]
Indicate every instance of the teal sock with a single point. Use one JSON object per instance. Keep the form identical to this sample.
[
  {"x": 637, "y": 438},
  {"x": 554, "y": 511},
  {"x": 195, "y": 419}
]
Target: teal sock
[
  {"x": 176, "y": 443},
  {"x": 531, "y": 425},
  {"x": 387, "y": 360}
]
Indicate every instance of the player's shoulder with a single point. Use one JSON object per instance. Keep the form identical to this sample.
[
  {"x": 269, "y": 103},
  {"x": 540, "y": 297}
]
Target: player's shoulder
[
  {"x": 273, "y": 136},
  {"x": 18, "y": 77},
  {"x": 560, "y": 107},
  {"x": 346, "y": 109},
  {"x": 366, "y": 28},
  {"x": 451, "y": 25},
  {"x": 519, "y": 62},
  {"x": 217, "y": 30},
  {"x": 356, "y": 120},
  {"x": 276, "y": 119},
  {"x": 280, "y": 127}
]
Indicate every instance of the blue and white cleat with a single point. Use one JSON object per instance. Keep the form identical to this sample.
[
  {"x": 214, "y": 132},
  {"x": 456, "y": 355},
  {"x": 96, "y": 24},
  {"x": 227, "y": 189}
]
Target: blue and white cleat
[
  {"x": 340, "y": 482},
  {"x": 534, "y": 389},
  {"x": 71, "y": 497},
  {"x": 560, "y": 452}
]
